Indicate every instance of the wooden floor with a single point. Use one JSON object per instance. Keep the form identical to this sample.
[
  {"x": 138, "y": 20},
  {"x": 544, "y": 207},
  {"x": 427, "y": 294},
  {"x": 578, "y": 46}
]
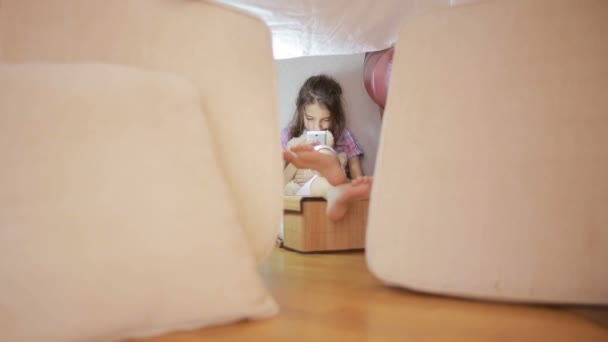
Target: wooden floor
[{"x": 333, "y": 297}]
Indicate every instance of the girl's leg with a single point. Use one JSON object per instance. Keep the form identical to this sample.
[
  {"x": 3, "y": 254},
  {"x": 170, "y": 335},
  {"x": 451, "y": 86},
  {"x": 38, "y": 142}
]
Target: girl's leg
[
  {"x": 333, "y": 184},
  {"x": 325, "y": 162},
  {"x": 339, "y": 197}
]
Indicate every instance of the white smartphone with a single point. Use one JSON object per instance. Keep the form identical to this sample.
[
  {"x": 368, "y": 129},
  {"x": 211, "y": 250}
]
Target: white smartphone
[{"x": 319, "y": 136}]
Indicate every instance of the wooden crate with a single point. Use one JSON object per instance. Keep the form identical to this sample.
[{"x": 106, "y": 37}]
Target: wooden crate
[{"x": 307, "y": 228}]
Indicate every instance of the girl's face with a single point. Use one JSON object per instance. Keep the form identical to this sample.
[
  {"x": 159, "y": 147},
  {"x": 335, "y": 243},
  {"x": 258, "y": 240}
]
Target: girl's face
[{"x": 317, "y": 117}]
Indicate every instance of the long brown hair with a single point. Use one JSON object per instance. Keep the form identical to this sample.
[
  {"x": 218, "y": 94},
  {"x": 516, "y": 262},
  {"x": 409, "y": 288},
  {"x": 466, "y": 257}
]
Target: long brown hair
[{"x": 324, "y": 91}]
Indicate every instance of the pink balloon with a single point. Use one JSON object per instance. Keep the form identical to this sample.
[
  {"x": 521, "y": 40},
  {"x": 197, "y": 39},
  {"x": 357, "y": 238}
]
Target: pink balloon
[{"x": 376, "y": 74}]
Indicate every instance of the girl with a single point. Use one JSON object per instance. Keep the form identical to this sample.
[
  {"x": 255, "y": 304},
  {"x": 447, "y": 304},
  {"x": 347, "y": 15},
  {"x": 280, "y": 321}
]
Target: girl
[{"x": 319, "y": 107}]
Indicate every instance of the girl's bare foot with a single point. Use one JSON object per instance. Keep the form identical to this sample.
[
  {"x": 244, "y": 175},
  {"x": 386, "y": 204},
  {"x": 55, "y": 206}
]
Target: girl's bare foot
[
  {"x": 363, "y": 180},
  {"x": 340, "y": 197},
  {"x": 327, "y": 164}
]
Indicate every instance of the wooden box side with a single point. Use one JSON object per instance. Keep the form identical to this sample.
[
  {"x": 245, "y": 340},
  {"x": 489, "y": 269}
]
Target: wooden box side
[{"x": 312, "y": 231}]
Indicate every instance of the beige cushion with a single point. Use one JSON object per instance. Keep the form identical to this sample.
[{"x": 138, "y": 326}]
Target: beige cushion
[
  {"x": 492, "y": 178},
  {"x": 115, "y": 220},
  {"x": 226, "y": 54}
]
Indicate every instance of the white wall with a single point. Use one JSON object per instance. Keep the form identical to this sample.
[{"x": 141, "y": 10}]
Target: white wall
[{"x": 362, "y": 114}]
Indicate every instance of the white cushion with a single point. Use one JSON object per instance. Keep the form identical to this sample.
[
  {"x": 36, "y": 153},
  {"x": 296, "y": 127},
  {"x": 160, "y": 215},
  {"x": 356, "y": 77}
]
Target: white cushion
[
  {"x": 492, "y": 176},
  {"x": 115, "y": 220},
  {"x": 225, "y": 54}
]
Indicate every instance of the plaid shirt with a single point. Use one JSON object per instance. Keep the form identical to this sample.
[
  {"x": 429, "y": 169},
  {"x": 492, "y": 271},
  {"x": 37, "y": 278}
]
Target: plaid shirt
[{"x": 346, "y": 143}]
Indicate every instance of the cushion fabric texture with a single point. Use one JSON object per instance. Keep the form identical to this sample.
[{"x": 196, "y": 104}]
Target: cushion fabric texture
[{"x": 115, "y": 218}]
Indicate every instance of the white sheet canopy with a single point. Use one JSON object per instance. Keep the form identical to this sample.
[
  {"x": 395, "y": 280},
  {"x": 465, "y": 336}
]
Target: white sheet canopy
[{"x": 333, "y": 27}]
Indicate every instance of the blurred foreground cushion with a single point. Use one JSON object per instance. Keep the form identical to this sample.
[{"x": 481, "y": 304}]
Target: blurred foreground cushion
[
  {"x": 115, "y": 220},
  {"x": 492, "y": 174},
  {"x": 227, "y": 55}
]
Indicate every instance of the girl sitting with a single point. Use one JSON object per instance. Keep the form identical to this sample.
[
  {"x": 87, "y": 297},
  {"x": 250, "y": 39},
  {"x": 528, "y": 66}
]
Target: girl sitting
[
  {"x": 319, "y": 107},
  {"x": 321, "y": 171}
]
